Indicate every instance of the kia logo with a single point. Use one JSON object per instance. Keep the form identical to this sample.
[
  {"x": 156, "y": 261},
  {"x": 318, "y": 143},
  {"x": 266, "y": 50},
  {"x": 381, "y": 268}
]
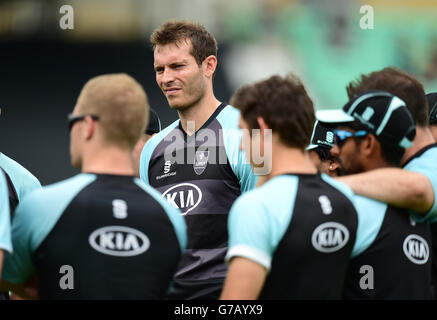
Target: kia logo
[
  {"x": 330, "y": 237},
  {"x": 119, "y": 241},
  {"x": 184, "y": 196},
  {"x": 416, "y": 249}
]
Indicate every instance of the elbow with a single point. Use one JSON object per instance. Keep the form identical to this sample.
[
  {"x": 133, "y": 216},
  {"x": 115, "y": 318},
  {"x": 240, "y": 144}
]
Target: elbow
[{"x": 421, "y": 197}]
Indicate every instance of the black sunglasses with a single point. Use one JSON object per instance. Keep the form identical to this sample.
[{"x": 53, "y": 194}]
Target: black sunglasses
[{"x": 73, "y": 119}]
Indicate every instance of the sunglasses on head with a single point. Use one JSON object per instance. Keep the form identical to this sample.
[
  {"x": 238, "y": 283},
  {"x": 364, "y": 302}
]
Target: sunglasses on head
[
  {"x": 73, "y": 119},
  {"x": 342, "y": 135}
]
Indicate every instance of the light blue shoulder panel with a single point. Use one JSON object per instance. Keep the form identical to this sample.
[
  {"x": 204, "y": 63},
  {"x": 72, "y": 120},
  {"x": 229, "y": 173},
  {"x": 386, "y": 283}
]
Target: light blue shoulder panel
[
  {"x": 148, "y": 149},
  {"x": 259, "y": 218},
  {"x": 34, "y": 218},
  {"x": 24, "y": 182},
  {"x": 228, "y": 119},
  {"x": 426, "y": 164}
]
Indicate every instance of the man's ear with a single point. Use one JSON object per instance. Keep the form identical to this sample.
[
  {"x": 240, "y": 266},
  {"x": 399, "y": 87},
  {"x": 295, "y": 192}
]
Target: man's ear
[
  {"x": 209, "y": 65},
  {"x": 90, "y": 127},
  {"x": 262, "y": 124},
  {"x": 369, "y": 145},
  {"x": 333, "y": 165}
]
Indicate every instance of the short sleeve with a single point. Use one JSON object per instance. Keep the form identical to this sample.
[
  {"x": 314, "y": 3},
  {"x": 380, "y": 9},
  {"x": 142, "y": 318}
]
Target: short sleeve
[
  {"x": 427, "y": 165},
  {"x": 250, "y": 234}
]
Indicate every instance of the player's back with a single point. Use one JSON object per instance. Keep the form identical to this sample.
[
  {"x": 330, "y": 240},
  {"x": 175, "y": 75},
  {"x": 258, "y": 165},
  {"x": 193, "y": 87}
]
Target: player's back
[
  {"x": 395, "y": 254},
  {"x": 120, "y": 239},
  {"x": 302, "y": 229},
  {"x": 311, "y": 259}
]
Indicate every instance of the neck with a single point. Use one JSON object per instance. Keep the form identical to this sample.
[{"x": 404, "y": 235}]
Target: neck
[
  {"x": 290, "y": 160},
  {"x": 108, "y": 160},
  {"x": 198, "y": 113},
  {"x": 423, "y": 138},
  {"x": 433, "y": 129},
  {"x": 375, "y": 163}
]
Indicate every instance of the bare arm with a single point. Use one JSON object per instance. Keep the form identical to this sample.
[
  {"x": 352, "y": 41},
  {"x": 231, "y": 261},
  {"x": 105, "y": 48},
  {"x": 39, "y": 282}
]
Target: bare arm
[
  {"x": 244, "y": 281},
  {"x": 21, "y": 291},
  {"x": 397, "y": 187}
]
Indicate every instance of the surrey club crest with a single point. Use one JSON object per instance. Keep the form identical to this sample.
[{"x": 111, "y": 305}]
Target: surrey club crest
[{"x": 200, "y": 161}]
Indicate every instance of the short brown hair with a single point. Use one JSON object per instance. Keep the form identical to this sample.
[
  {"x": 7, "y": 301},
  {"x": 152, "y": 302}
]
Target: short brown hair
[
  {"x": 203, "y": 44},
  {"x": 121, "y": 104},
  {"x": 397, "y": 83},
  {"x": 284, "y": 105}
]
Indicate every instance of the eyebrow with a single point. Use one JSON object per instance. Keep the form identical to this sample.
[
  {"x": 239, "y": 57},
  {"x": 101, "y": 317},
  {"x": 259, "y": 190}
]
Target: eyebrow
[{"x": 183, "y": 61}]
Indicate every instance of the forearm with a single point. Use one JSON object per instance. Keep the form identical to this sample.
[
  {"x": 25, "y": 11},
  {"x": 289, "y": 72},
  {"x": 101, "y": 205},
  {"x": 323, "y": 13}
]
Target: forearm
[
  {"x": 244, "y": 281},
  {"x": 397, "y": 187}
]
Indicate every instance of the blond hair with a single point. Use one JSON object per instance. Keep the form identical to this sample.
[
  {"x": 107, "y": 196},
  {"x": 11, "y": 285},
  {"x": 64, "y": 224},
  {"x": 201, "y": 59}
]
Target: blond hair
[{"x": 121, "y": 104}]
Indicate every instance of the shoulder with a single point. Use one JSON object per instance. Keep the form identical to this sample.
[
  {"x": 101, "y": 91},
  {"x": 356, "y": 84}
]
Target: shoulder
[
  {"x": 58, "y": 192},
  {"x": 39, "y": 211},
  {"x": 425, "y": 163},
  {"x": 229, "y": 117},
  {"x": 425, "y": 159},
  {"x": 3, "y": 186},
  {"x": 149, "y": 149},
  {"x": 340, "y": 186},
  {"x": 369, "y": 205},
  {"x": 274, "y": 196},
  {"x": 20, "y": 176},
  {"x": 157, "y": 138}
]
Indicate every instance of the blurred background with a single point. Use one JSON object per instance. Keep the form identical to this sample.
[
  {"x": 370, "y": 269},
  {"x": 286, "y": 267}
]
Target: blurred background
[{"x": 43, "y": 67}]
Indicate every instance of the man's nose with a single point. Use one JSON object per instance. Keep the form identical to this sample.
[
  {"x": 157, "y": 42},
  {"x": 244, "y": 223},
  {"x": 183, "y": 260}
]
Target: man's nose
[{"x": 167, "y": 76}]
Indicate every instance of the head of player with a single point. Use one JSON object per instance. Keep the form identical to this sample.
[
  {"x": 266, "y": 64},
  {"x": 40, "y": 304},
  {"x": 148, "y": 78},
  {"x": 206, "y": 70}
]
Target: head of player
[
  {"x": 110, "y": 115},
  {"x": 185, "y": 59},
  {"x": 408, "y": 89},
  {"x": 268, "y": 112},
  {"x": 322, "y": 140},
  {"x": 432, "y": 102},
  {"x": 153, "y": 128},
  {"x": 371, "y": 131}
]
